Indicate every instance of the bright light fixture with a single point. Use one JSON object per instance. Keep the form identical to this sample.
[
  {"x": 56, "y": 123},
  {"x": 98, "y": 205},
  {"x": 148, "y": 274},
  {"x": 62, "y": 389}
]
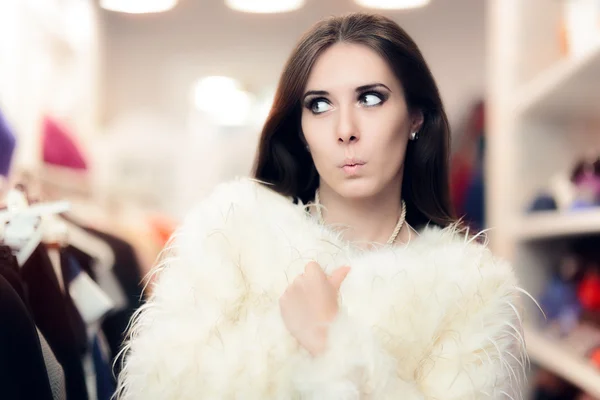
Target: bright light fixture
[
  {"x": 138, "y": 6},
  {"x": 265, "y": 6},
  {"x": 392, "y": 4},
  {"x": 262, "y": 108},
  {"x": 222, "y": 99}
]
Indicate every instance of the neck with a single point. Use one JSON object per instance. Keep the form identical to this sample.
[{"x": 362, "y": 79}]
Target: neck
[{"x": 364, "y": 220}]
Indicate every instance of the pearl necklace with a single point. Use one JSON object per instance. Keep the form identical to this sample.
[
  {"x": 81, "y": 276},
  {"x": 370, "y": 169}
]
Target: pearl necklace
[{"x": 397, "y": 229}]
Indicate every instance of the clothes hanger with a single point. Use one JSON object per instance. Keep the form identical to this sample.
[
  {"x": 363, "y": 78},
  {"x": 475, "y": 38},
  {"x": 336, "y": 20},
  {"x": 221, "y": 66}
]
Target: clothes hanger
[
  {"x": 91, "y": 301},
  {"x": 91, "y": 245},
  {"x": 22, "y": 228},
  {"x": 56, "y": 182},
  {"x": 104, "y": 260},
  {"x": 89, "y": 298},
  {"x": 17, "y": 204}
]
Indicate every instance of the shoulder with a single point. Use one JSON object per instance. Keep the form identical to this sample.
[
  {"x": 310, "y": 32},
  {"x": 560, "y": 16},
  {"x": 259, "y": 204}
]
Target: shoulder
[
  {"x": 243, "y": 193},
  {"x": 240, "y": 210},
  {"x": 465, "y": 256},
  {"x": 242, "y": 197}
]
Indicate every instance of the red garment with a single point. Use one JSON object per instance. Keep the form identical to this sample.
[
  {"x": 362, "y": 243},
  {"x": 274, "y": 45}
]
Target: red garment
[
  {"x": 461, "y": 172},
  {"x": 589, "y": 291},
  {"x": 59, "y": 147}
]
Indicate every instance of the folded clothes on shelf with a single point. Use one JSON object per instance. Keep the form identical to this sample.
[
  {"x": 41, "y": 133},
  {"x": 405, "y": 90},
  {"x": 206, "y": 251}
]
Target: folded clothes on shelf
[{"x": 574, "y": 190}]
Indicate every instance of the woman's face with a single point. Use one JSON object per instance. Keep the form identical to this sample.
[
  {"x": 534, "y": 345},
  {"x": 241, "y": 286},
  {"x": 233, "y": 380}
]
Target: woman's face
[{"x": 356, "y": 122}]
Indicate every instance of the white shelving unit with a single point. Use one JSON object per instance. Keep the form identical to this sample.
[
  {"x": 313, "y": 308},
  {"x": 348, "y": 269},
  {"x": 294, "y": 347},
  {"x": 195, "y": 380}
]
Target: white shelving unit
[
  {"x": 570, "y": 89},
  {"x": 543, "y": 115},
  {"x": 560, "y": 360},
  {"x": 556, "y": 225}
]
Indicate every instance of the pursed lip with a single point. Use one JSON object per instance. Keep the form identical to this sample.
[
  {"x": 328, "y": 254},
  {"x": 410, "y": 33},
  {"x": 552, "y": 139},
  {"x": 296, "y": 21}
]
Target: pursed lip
[{"x": 352, "y": 162}]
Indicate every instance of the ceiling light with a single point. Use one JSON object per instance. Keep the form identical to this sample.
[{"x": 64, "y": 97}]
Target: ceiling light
[
  {"x": 222, "y": 99},
  {"x": 262, "y": 108},
  {"x": 265, "y": 6},
  {"x": 138, "y": 6},
  {"x": 392, "y": 4}
]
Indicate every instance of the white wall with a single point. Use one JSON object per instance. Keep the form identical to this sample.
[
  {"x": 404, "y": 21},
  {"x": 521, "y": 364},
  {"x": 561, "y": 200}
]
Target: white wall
[
  {"x": 153, "y": 59},
  {"x": 48, "y": 64}
]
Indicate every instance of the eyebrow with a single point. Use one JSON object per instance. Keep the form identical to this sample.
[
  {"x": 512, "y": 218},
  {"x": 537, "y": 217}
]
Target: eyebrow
[{"x": 358, "y": 90}]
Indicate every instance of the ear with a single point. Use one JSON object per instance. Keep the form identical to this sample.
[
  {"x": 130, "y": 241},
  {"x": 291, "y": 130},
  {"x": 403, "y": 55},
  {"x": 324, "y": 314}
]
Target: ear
[{"x": 416, "y": 122}]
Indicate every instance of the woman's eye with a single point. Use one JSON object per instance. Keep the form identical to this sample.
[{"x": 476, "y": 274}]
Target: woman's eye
[
  {"x": 319, "y": 106},
  {"x": 371, "y": 99}
]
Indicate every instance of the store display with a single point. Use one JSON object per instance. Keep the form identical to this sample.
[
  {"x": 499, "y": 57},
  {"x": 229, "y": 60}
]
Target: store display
[
  {"x": 577, "y": 190},
  {"x": 586, "y": 180},
  {"x": 559, "y": 300},
  {"x": 543, "y": 202},
  {"x": 571, "y": 304}
]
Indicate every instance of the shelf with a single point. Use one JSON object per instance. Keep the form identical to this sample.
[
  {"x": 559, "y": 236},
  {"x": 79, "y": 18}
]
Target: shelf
[
  {"x": 553, "y": 224},
  {"x": 563, "y": 361},
  {"x": 567, "y": 91}
]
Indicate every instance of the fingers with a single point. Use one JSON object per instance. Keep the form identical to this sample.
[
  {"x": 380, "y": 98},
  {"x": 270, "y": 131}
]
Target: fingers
[
  {"x": 313, "y": 268},
  {"x": 337, "y": 277}
]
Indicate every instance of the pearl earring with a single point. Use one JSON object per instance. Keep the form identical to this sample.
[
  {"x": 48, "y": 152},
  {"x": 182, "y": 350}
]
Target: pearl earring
[{"x": 413, "y": 136}]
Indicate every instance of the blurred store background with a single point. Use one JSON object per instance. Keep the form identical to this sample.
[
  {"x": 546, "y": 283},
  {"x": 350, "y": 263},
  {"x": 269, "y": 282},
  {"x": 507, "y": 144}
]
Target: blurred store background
[{"x": 121, "y": 114}]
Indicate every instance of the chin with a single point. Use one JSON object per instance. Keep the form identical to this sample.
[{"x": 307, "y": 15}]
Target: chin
[{"x": 357, "y": 188}]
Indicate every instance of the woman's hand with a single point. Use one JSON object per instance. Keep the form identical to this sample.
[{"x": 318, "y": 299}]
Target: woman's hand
[{"x": 309, "y": 305}]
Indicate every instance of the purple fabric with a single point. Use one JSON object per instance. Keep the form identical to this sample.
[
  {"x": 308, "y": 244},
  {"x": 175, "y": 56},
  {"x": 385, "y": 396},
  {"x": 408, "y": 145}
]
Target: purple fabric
[{"x": 7, "y": 146}]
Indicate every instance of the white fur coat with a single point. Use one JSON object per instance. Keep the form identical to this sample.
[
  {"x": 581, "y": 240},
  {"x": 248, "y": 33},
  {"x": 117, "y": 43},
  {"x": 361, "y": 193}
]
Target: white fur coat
[{"x": 435, "y": 319}]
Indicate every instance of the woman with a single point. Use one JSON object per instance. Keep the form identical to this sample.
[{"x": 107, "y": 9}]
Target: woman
[{"x": 312, "y": 281}]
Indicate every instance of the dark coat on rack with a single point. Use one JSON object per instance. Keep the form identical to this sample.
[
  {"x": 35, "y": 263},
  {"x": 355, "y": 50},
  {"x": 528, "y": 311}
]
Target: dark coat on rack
[
  {"x": 58, "y": 320},
  {"x": 23, "y": 372},
  {"x": 127, "y": 271}
]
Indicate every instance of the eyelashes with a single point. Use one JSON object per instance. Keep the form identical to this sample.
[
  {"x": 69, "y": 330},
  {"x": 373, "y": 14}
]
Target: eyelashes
[
  {"x": 368, "y": 99},
  {"x": 373, "y": 98},
  {"x": 317, "y": 105}
]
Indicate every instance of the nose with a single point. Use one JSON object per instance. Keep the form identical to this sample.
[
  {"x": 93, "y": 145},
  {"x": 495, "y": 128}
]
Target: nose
[{"x": 347, "y": 130}]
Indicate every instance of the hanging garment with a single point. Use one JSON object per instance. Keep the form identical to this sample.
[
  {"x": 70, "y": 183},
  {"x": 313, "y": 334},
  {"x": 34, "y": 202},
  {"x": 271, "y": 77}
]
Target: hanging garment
[
  {"x": 93, "y": 305},
  {"x": 57, "y": 318},
  {"x": 127, "y": 270},
  {"x": 23, "y": 374},
  {"x": 56, "y": 374},
  {"x": 9, "y": 270},
  {"x": 7, "y": 146},
  {"x": 105, "y": 381}
]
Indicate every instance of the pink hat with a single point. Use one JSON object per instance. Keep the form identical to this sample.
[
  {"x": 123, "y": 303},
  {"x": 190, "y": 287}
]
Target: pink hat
[{"x": 59, "y": 147}]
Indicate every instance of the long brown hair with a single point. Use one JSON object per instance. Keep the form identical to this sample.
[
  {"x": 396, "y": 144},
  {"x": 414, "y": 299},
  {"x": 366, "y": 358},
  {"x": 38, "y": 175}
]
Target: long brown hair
[{"x": 283, "y": 160}]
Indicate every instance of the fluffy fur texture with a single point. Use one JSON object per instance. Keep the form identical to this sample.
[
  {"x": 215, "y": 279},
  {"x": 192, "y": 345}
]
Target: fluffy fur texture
[{"x": 435, "y": 319}]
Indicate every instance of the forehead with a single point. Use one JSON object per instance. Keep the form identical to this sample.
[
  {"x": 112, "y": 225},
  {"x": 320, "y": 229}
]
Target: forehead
[{"x": 349, "y": 64}]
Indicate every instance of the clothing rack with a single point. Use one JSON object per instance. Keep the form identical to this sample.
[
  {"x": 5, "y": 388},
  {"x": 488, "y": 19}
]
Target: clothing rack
[{"x": 73, "y": 289}]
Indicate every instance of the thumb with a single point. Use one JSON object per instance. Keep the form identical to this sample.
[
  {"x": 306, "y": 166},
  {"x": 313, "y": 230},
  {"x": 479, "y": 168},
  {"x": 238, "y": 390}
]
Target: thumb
[{"x": 338, "y": 276}]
